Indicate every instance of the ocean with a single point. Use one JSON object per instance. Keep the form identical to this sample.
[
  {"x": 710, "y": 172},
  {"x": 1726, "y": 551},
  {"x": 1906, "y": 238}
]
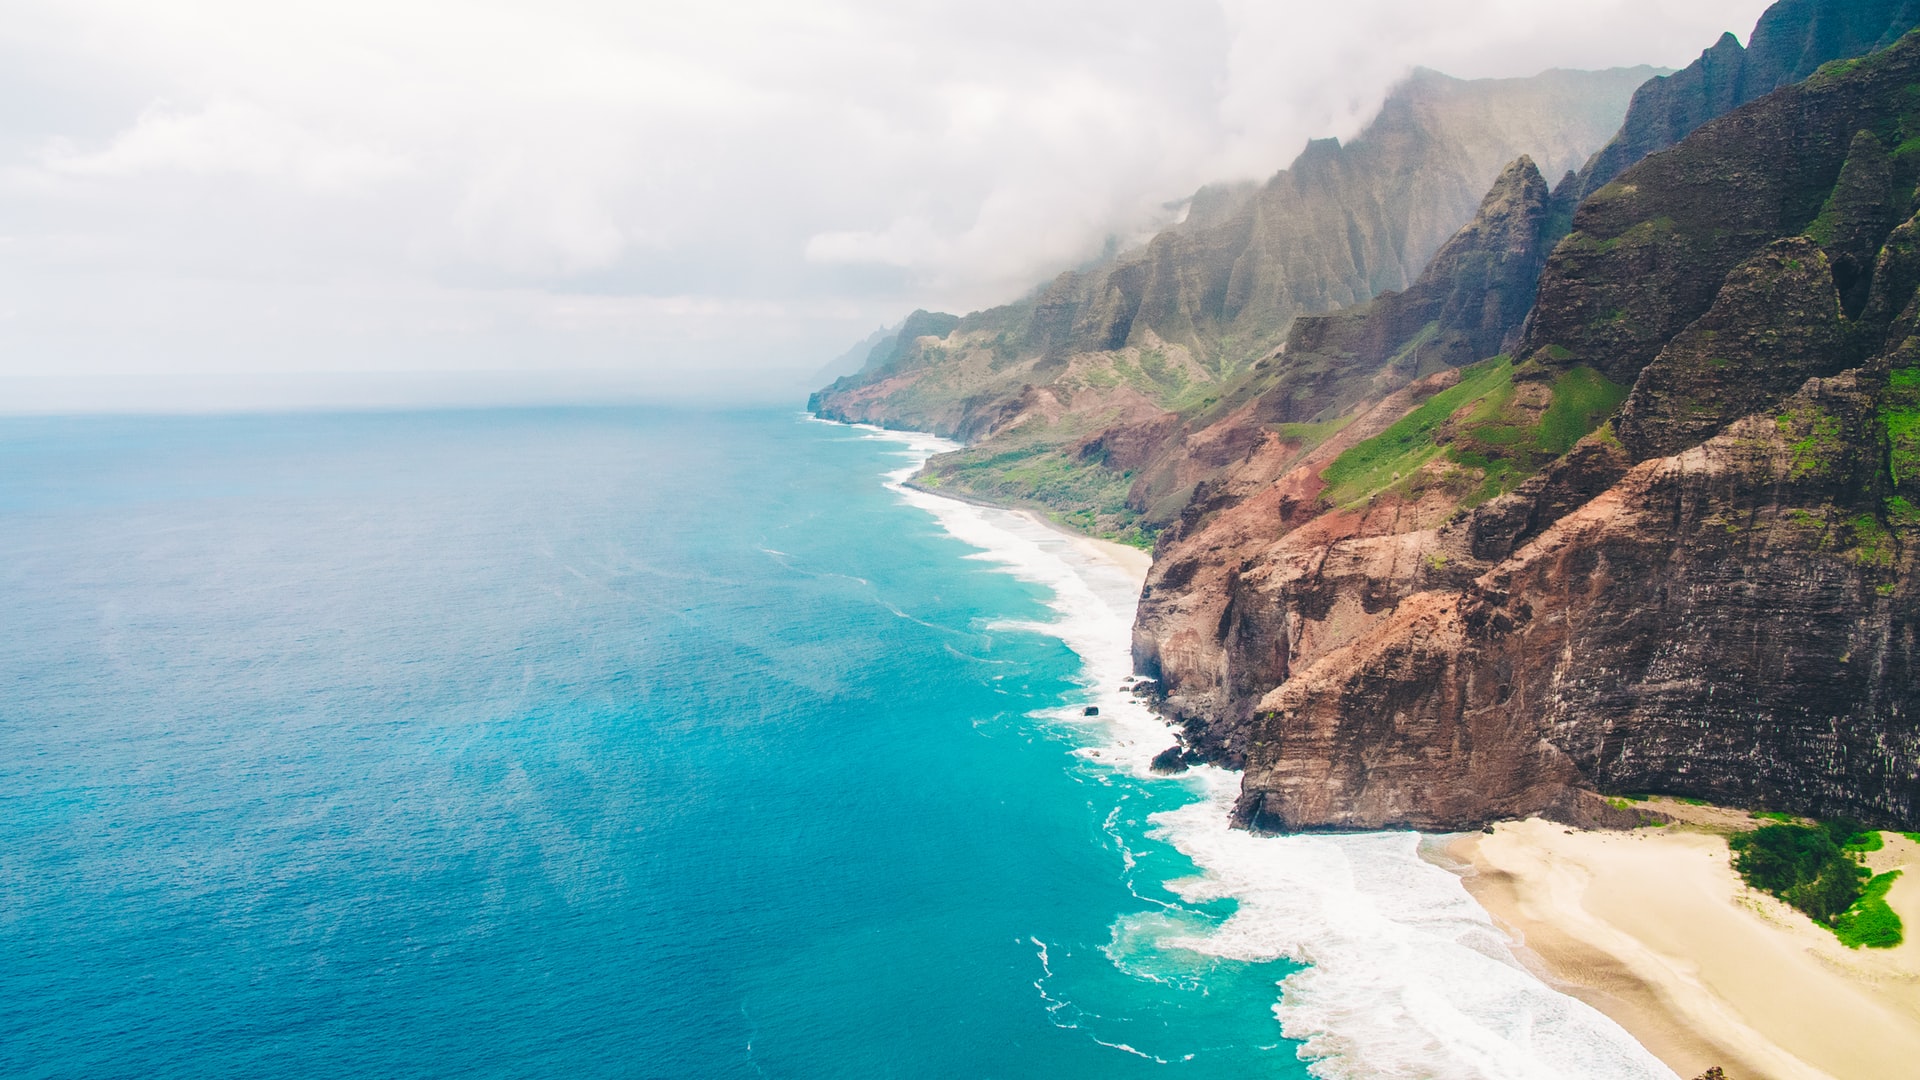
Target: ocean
[{"x": 645, "y": 743}]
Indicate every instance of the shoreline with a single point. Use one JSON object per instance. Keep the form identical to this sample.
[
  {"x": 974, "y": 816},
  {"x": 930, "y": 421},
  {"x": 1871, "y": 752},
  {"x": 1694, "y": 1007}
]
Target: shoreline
[
  {"x": 1132, "y": 560},
  {"x": 1127, "y": 558},
  {"x": 1655, "y": 929},
  {"x": 1403, "y": 974},
  {"x": 1136, "y": 561}
]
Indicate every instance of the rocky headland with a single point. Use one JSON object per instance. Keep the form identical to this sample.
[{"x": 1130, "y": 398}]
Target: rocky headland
[{"x": 1596, "y": 487}]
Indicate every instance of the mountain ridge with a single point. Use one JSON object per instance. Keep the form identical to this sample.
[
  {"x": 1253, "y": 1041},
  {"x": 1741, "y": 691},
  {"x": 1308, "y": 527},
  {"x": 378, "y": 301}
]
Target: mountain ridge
[
  {"x": 1379, "y": 207},
  {"x": 1617, "y": 493},
  {"x": 1481, "y": 611}
]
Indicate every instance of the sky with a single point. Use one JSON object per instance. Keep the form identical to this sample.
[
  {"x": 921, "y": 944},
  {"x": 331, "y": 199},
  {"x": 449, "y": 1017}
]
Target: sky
[{"x": 691, "y": 201}]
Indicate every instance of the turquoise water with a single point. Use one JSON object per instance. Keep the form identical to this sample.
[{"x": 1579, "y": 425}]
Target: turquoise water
[{"x": 563, "y": 743}]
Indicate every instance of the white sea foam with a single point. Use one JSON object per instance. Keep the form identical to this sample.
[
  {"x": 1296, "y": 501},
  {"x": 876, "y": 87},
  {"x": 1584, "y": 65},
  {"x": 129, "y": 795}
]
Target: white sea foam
[{"x": 1406, "y": 977}]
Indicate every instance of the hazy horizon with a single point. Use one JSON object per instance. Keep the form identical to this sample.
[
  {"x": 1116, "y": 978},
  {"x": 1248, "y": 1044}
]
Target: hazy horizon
[{"x": 204, "y": 206}]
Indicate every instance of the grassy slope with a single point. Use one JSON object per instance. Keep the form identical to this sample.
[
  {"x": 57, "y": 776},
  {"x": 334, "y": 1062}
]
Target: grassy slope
[
  {"x": 1486, "y": 444},
  {"x": 1039, "y": 470}
]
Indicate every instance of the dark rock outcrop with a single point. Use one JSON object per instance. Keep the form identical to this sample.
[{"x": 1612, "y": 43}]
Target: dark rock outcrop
[
  {"x": 1789, "y": 43},
  {"x": 1774, "y": 324},
  {"x": 1170, "y": 761}
]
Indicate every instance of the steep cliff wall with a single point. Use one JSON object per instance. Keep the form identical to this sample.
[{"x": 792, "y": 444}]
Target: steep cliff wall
[
  {"x": 1790, "y": 41},
  {"x": 1734, "y": 621},
  {"x": 1638, "y": 514},
  {"x": 1473, "y": 611}
]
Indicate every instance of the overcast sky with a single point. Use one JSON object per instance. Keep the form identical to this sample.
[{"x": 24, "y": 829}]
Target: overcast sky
[{"x": 705, "y": 198}]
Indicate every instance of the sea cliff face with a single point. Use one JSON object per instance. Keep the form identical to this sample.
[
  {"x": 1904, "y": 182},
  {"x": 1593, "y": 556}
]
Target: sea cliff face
[
  {"x": 1610, "y": 499},
  {"x": 1708, "y": 595}
]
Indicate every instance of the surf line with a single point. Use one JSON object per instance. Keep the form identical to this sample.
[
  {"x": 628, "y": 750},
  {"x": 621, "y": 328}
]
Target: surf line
[{"x": 1405, "y": 974}]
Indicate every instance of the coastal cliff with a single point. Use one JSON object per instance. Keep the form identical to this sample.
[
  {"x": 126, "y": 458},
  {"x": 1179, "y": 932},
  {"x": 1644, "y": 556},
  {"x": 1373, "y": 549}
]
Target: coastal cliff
[
  {"x": 1517, "y": 594},
  {"x": 1610, "y": 499}
]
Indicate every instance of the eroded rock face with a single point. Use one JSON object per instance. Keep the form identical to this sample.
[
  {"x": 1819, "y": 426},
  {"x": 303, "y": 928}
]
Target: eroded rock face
[
  {"x": 1242, "y": 594},
  {"x": 1710, "y": 596},
  {"x": 1775, "y": 323},
  {"x": 1790, "y": 42},
  {"x": 1721, "y": 622}
]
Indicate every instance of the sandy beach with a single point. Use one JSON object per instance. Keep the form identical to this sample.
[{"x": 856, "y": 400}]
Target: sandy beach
[
  {"x": 1132, "y": 560},
  {"x": 1654, "y": 928}
]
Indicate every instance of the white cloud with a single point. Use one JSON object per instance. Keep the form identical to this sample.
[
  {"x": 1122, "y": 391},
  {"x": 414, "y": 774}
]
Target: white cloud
[
  {"x": 230, "y": 137},
  {"x": 908, "y": 241},
  {"x": 224, "y": 184}
]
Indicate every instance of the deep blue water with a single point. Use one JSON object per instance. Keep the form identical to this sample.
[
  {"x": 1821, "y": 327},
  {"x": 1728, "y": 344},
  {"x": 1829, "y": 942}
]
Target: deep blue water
[{"x": 555, "y": 743}]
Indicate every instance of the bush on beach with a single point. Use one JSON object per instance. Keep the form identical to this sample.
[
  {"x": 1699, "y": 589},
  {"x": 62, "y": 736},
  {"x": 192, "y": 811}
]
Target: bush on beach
[{"x": 1814, "y": 869}]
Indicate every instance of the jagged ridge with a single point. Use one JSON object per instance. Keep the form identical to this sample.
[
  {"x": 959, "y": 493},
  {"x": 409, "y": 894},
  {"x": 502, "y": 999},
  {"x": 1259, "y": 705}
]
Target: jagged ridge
[{"x": 1715, "y": 602}]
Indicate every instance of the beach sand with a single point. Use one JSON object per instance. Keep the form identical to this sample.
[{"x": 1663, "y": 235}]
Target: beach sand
[
  {"x": 1132, "y": 560},
  {"x": 1654, "y": 928}
]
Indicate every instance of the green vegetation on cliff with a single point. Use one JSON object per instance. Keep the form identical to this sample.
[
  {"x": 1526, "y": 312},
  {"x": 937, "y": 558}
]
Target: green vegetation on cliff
[
  {"x": 1397, "y": 453},
  {"x": 1902, "y": 417},
  {"x": 1494, "y": 428}
]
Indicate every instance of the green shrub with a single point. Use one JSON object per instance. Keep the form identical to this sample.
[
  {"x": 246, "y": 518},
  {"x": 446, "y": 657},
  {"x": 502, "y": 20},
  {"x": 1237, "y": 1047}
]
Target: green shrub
[
  {"x": 1864, "y": 842},
  {"x": 1813, "y": 868},
  {"x": 1801, "y": 864},
  {"x": 1870, "y": 922}
]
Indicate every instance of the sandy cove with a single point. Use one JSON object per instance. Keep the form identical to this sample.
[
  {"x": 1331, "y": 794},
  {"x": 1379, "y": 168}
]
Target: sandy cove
[
  {"x": 1654, "y": 928},
  {"x": 1132, "y": 560}
]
